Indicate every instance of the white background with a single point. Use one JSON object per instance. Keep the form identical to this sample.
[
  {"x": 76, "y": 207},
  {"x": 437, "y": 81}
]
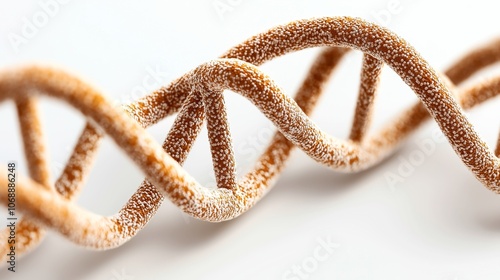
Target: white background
[{"x": 440, "y": 223}]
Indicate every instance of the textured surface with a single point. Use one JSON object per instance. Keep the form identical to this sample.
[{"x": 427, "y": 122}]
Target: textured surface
[{"x": 198, "y": 95}]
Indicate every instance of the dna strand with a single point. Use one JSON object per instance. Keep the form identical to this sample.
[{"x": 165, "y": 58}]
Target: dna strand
[{"x": 198, "y": 96}]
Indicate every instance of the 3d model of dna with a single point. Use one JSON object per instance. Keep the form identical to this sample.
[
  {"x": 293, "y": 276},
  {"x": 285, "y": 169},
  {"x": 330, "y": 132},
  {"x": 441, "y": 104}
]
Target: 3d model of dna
[{"x": 198, "y": 97}]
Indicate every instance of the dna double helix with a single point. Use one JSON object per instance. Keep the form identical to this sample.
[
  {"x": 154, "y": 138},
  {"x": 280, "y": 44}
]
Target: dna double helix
[{"x": 197, "y": 98}]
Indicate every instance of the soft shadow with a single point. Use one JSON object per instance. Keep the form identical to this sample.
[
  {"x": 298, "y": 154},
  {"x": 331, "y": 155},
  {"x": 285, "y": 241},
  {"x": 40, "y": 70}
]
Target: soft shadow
[
  {"x": 317, "y": 180},
  {"x": 180, "y": 235},
  {"x": 172, "y": 230},
  {"x": 183, "y": 233}
]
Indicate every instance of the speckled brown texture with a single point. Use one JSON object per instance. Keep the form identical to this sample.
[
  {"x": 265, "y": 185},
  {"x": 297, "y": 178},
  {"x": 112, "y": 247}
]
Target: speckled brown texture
[
  {"x": 370, "y": 77},
  {"x": 198, "y": 95}
]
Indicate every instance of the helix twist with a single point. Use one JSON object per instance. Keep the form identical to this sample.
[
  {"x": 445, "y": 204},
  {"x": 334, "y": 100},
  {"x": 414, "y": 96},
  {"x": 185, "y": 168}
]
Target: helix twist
[{"x": 198, "y": 96}]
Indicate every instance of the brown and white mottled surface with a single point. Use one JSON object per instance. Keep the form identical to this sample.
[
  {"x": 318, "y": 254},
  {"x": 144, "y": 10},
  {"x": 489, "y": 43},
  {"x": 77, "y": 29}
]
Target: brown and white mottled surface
[{"x": 198, "y": 95}]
